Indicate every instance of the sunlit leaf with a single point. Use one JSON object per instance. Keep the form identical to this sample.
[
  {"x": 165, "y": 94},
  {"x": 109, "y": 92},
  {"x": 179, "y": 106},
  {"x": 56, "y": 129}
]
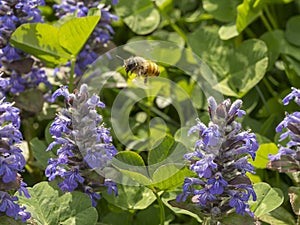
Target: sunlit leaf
[
  {"x": 73, "y": 34},
  {"x": 41, "y": 41},
  {"x": 268, "y": 199},
  {"x": 262, "y": 153},
  {"x": 50, "y": 206}
]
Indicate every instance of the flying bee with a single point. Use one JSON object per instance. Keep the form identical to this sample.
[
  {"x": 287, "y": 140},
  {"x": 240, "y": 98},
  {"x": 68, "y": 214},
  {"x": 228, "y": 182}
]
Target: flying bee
[{"x": 141, "y": 67}]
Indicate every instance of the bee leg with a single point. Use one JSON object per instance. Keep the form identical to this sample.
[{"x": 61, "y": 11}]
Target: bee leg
[{"x": 146, "y": 79}]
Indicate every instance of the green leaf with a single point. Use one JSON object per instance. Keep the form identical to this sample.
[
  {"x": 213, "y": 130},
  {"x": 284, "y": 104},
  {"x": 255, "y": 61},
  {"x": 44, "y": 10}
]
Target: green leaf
[
  {"x": 49, "y": 206},
  {"x": 236, "y": 219},
  {"x": 294, "y": 194},
  {"x": 39, "y": 151},
  {"x": 248, "y": 11},
  {"x": 292, "y": 32},
  {"x": 41, "y": 41},
  {"x": 271, "y": 40},
  {"x": 148, "y": 216},
  {"x": 132, "y": 165},
  {"x": 131, "y": 197},
  {"x": 170, "y": 176},
  {"x": 73, "y": 34},
  {"x": 192, "y": 210},
  {"x": 30, "y": 100},
  {"x": 140, "y": 16},
  {"x": 228, "y": 31},
  {"x": 224, "y": 11},
  {"x": 262, "y": 153},
  {"x": 279, "y": 216},
  {"x": 206, "y": 43},
  {"x": 162, "y": 150},
  {"x": 268, "y": 199},
  {"x": 248, "y": 64}
]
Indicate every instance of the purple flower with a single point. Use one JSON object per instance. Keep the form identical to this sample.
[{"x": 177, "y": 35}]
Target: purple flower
[
  {"x": 8, "y": 205},
  {"x": 220, "y": 161},
  {"x": 295, "y": 94},
  {"x": 20, "y": 69},
  {"x": 84, "y": 144},
  {"x": 217, "y": 184},
  {"x": 287, "y": 159},
  {"x": 11, "y": 161}
]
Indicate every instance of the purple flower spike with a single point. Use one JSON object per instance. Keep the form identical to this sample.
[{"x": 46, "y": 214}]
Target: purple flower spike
[
  {"x": 84, "y": 144},
  {"x": 220, "y": 163},
  {"x": 11, "y": 162}
]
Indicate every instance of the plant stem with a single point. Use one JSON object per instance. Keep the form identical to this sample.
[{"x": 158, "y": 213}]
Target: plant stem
[
  {"x": 176, "y": 28},
  {"x": 265, "y": 21},
  {"x": 72, "y": 71},
  {"x": 271, "y": 18},
  {"x": 161, "y": 207}
]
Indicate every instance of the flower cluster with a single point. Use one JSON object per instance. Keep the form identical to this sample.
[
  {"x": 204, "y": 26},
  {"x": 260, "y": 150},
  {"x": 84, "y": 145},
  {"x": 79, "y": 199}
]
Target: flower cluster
[
  {"x": 11, "y": 162},
  {"x": 20, "y": 70},
  {"x": 101, "y": 34},
  {"x": 287, "y": 159},
  {"x": 85, "y": 144},
  {"x": 220, "y": 161}
]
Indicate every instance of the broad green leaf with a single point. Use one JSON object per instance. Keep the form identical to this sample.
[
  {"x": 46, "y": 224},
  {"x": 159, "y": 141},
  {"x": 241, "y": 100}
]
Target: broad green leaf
[
  {"x": 292, "y": 32},
  {"x": 140, "y": 16},
  {"x": 248, "y": 64},
  {"x": 170, "y": 176},
  {"x": 192, "y": 210},
  {"x": 162, "y": 150},
  {"x": 206, "y": 43},
  {"x": 41, "y": 41},
  {"x": 132, "y": 165},
  {"x": 279, "y": 216},
  {"x": 224, "y": 11},
  {"x": 39, "y": 151},
  {"x": 49, "y": 206},
  {"x": 268, "y": 199},
  {"x": 262, "y": 153},
  {"x": 73, "y": 34},
  {"x": 131, "y": 197},
  {"x": 294, "y": 194}
]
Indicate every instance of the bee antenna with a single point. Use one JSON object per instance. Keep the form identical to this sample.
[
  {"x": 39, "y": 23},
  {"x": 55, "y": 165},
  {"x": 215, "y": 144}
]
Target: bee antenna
[{"x": 120, "y": 57}]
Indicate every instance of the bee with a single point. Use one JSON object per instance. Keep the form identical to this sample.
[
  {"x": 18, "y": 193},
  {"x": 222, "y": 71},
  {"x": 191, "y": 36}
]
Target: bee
[{"x": 141, "y": 67}]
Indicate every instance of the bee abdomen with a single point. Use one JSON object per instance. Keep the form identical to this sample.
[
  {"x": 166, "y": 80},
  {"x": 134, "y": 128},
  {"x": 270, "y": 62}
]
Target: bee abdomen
[{"x": 152, "y": 69}]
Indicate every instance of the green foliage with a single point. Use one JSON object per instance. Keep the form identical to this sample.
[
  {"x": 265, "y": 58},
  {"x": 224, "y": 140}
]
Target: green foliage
[
  {"x": 268, "y": 199},
  {"x": 248, "y": 49},
  {"x": 48, "y": 205},
  {"x": 51, "y": 44}
]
